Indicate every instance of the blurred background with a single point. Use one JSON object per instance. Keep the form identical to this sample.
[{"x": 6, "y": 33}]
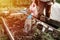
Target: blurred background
[
  {"x": 58, "y": 1},
  {"x": 14, "y": 5}
]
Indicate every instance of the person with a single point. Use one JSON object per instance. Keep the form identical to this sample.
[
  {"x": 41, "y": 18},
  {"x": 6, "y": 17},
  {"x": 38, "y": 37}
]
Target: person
[
  {"x": 33, "y": 12},
  {"x": 44, "y": 4}
]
